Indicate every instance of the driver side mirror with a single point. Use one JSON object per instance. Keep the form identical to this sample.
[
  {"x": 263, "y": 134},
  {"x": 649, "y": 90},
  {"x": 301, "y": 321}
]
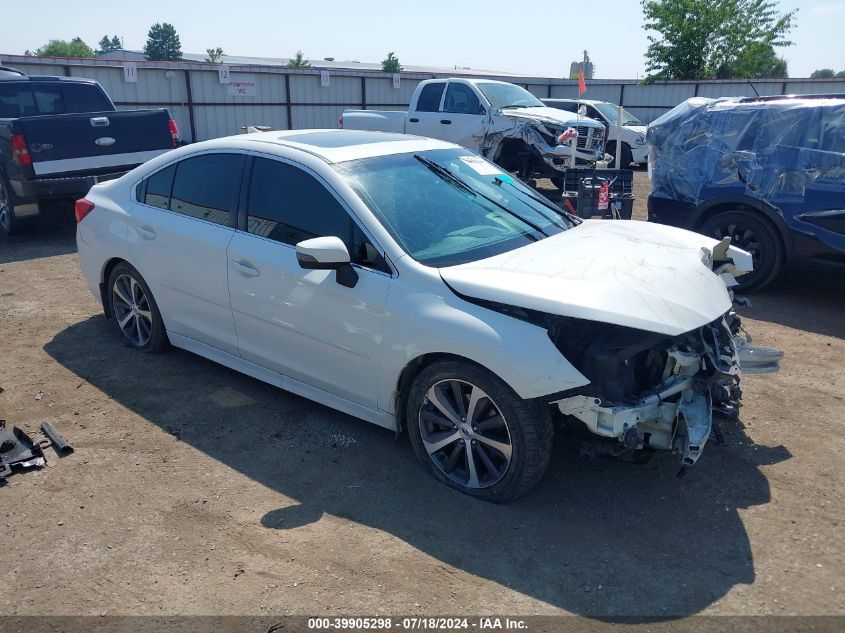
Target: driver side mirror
[{"x": 327, "y": 253}]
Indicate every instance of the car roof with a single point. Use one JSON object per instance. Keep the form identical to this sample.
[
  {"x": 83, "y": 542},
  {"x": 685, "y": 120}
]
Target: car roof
[
  {"x": 335, "y": 146},
  {"x": 8, "y": 73}
]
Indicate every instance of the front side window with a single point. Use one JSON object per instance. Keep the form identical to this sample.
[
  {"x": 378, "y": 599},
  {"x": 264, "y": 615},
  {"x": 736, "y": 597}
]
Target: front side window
[
  {"x": 206, "y": 187},
  {"x": 289, "y": 205},
  {"x": 611, "y": 113},
  {"x": 460, "y": 99},
  {"x": 441, "y": 222}
]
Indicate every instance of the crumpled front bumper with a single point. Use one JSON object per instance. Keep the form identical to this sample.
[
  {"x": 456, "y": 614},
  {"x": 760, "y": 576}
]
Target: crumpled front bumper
[{"x": 701, "y": 375}]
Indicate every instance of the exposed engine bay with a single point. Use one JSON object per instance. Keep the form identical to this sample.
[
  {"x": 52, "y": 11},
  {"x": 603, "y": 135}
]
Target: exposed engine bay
[{"x": 648, "y": 391}]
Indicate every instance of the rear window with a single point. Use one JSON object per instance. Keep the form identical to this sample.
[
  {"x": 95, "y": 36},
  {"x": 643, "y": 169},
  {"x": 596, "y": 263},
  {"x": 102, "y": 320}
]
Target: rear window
[
  {"x": 206, "y": 187},
  {"x": 32, "y": 99},
  {"x": 429, "y": 100}
]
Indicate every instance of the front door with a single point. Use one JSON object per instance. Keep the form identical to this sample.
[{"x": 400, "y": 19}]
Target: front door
[
  {"x": 302, "y": 323},
  {"x": 463, "y": 119}
]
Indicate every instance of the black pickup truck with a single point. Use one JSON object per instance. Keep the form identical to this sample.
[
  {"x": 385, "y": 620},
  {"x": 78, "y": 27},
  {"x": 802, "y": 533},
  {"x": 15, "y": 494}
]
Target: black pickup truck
[{"x": 61, "y": 135}]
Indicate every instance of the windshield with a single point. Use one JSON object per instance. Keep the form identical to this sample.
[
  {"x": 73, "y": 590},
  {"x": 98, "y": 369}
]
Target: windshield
[
  {"x": 443, "y": 218},
  {"x": 611, "y": 113},
  {"x": 508, "y": 96}
]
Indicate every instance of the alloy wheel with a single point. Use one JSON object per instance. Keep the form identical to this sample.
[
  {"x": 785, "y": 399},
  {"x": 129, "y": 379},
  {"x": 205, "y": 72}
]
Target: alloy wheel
[
  {"x": 465, "y": 434},
  {"x": 132, "y": 310},
  {"x": 5, "y": 210}
]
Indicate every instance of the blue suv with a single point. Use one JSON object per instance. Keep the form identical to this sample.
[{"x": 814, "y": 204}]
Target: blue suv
[{"x": 768, "y": 172}]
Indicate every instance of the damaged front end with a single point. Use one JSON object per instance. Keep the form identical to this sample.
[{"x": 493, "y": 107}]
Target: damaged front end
[
  {"x": 649, "y": 391},
  {"x": 542, "y": 139}
]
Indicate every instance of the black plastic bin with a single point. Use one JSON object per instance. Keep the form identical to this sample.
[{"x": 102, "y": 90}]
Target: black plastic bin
[{"x": 581, "y": 192}]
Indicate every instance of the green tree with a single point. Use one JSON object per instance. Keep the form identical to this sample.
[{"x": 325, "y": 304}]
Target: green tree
[
  {"x": 299, "y": 61},
  {"x": 107, "y": 45},
  {"x": 759, "y": 60},
  {"x": 214, "y": 55},
  {"x": 163, "y": 43},
  {"x": 823, "y": 73},
  {"x": 390, "y": 64},
  {"x": 841, "y": 73},
  {"x": 704, "y": 39},
  {"x": 62, "y": 48}
]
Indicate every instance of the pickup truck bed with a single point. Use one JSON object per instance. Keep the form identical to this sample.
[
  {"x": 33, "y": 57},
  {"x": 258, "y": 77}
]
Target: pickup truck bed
[{"x": 61, "y": 135}]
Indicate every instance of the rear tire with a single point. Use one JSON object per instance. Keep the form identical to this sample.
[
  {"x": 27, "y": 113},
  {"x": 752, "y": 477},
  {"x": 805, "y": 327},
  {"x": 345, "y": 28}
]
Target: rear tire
[
  {"x": 9, "y": 224},
  {"x": 135, "y": 311},
  {"x": 472, "y": 432},
  {"x": 751, "y": 232}
]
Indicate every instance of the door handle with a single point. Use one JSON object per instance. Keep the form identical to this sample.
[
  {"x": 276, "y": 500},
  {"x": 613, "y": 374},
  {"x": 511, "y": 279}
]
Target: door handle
[
  {"x": 146, "y": 232},
  {"x": 414, "y": 120},
  {"x": 245, "y": 268},
  {"x": 446, "y": 121}
]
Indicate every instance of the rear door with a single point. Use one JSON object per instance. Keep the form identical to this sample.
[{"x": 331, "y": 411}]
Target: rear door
[
  {"x": 303, "y": 323},
  {"x": 463, "y": 117},
  {"x": 73, "y": 128},
  {"x": 179, "y": 228},
  {"x": 424, "y": 118}
]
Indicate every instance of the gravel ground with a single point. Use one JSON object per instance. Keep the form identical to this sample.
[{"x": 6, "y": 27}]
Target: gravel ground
[{"x": 196, "y": 490}]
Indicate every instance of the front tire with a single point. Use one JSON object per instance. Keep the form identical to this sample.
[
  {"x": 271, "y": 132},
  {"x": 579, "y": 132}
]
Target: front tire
[
  {"x": 135, "y": 311},
  {"x": 472, "y": 432},
  {"x": 750, "y": 232}
]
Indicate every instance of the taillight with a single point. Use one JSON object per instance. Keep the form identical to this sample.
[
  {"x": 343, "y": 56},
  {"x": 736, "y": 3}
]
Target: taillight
[
  {"x": 82, "y": 208},
  {"x": 20, "y": 153},
  {"x": 174, "y": 133},
  {"x": 340, "y": 122}
]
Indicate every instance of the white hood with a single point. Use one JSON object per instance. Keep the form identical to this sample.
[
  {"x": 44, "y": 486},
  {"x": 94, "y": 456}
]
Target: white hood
[
  {"x": 646, "y": 276},
  {"x": 550, "y": 115},
  {"x": 639, "y": 129}
]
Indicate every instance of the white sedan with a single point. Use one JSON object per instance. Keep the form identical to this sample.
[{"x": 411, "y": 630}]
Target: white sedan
[{"x": 411, "y": 283}]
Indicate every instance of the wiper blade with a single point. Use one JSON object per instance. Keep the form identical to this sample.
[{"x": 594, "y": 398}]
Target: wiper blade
[
  {"x": 513, "y": 105},
  {"x": 544, "y": 201},
  {"x": 446, "y": 175}
]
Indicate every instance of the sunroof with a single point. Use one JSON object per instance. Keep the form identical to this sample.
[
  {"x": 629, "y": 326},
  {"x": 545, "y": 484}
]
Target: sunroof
[{"x": 340, "y": 138}]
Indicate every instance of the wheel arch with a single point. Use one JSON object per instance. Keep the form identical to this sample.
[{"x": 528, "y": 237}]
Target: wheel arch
[{"x": 104, "y": 279}]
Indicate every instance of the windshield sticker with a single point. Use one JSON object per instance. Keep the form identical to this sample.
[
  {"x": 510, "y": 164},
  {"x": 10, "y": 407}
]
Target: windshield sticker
[{"x": 480, "y": 166}]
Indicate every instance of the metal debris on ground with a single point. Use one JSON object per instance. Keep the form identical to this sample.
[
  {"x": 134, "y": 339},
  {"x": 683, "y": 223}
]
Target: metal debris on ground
[{"x": 17, "y": 451}]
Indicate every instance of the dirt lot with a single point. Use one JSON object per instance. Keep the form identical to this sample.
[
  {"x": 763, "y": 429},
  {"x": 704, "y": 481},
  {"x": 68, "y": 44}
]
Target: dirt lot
[{"x": 196, "y": 490}]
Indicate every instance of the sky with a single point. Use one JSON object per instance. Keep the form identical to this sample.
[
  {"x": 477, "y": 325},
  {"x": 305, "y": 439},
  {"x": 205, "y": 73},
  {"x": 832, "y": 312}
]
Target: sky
[{"x": 534, "y": 37}]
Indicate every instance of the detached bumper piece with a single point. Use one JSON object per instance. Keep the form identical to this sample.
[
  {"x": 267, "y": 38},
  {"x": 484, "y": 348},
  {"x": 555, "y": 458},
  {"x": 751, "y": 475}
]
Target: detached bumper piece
[
  {"x": 17, "y": 452},
  {"x": 701, "y": 375}
]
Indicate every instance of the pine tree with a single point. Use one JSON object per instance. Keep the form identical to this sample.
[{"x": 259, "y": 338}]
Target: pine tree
[{"x": 163, "y": 43}]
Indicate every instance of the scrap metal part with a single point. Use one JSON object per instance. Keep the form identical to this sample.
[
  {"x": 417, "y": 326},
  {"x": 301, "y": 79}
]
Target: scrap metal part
[
  {"x": 56, "y": 441},
  {"x": 18, "y": 451}
]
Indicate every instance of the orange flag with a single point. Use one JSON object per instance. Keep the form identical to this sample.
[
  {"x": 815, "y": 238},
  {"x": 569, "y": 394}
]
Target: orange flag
[{"x": 582, "y": 85}]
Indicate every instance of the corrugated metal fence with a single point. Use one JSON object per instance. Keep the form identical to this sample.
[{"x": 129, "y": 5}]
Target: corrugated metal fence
[{"x": 284, "y": 98}]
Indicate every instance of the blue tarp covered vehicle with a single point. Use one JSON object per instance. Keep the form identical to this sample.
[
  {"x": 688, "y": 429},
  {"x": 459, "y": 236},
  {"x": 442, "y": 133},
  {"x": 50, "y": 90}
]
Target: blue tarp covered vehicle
[{"x": 769, "y": 172}]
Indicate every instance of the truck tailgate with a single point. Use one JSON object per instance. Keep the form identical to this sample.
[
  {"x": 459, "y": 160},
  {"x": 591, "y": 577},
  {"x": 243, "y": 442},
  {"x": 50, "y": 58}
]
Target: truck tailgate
[{"x": 95, "y": 142}]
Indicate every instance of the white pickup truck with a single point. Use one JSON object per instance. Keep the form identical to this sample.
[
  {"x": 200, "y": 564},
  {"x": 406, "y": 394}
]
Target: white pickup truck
[{"x": 503, "y": 122}]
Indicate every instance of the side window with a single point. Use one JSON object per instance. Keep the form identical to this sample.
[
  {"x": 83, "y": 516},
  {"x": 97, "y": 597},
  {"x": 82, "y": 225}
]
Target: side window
[
  {"x": 289, "y": 205},
  {"x": 16, "y": 100},
  {"x": 592, "y": 113},
  {"x": 155, "y": 191},
  {"x": 460, "y": 99},
  {"x": 206, "y": 187},
  {"x": 429, "y": 100}
]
